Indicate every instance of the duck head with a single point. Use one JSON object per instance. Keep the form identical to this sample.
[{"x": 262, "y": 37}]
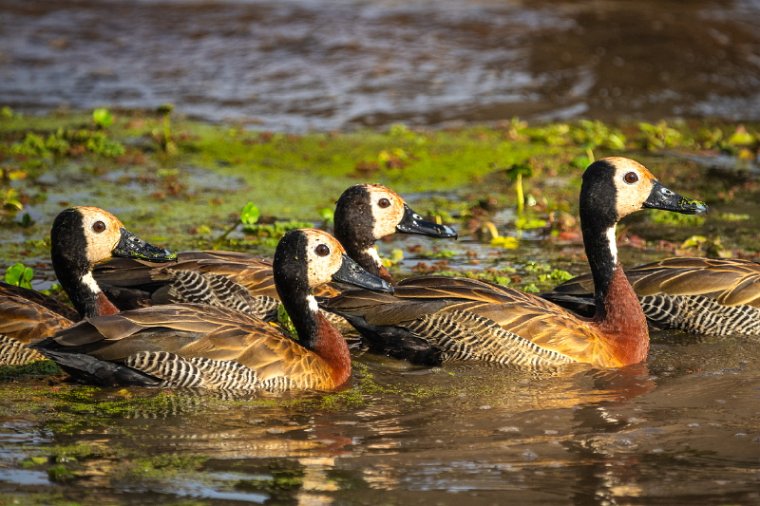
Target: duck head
[
  {"x": 308, "y": 258},
  {"x": 612, "y": 189},
  {"x": 616, "y": 187},
  {"x": 366, "y": 213},
  {"x": 84, "y": 236}
]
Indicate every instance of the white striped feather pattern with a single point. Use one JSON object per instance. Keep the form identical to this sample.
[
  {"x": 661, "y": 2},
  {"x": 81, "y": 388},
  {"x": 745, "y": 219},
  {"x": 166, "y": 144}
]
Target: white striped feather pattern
[
  {"x": 701, "y": 315},
  {"x": 14, "y": 352},
  {"x": 220, "y": 291},
  {"x": 462, "y": 335},
  {"x": 199, "y": 372}
]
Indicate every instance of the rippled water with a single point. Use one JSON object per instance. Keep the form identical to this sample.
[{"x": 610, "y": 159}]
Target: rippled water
[
  {"x": 304, "y": 64},
  {"x": 681, "y": 429}
]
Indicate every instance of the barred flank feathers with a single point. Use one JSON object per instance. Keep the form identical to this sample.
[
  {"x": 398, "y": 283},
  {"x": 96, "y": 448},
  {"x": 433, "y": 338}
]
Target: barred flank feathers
[
  {"x": 462, "y": 335},
  {"x": 220, "y": 291},
  {"x": 701, "y": 315},
  {"x": 13, "y": 352},
  {"x": 200, "y": 372}
]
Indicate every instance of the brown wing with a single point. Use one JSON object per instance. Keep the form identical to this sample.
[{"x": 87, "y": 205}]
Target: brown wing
[
  {"x": 477, "y": 320},
  {"x": 131, "y": 283},
  {"x": 136, "y": 283},
  {"x": 203, "y": 336},
  {"x": 28, "y": 316},
  {"x": 729, "y": 281}
]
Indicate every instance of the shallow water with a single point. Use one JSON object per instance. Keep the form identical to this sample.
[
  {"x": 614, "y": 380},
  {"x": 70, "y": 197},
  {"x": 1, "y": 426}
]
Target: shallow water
[
  {"x": 682, "y": 428},
  {"x": 318, "y": 64},
  {"x": 679, "y": 429}
]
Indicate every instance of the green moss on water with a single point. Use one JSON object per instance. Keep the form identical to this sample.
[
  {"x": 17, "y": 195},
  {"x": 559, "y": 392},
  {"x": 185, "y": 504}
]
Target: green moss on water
[
  {"x": 676, "y": 219},
  {"x": 189, "y": 196},
  {"x": 160, "y": 467},
  {"x": 60, "y": 473},
  {"x": 281, "y": 480},
  {"x": 38, "y": 368}
]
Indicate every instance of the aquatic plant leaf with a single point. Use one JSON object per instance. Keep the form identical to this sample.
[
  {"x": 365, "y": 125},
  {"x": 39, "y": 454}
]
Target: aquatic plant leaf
[
  {"x": 19, "y": 275},
  {"x": 505, "y": 242},
  {"x": 250, "y": 214},
  {"x": 102, "y": 117}
]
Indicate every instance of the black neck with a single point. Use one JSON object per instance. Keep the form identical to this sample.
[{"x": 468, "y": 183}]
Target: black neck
[
  {"x": 364, "y": 259},
  {"x": 303, "y": 318},
  {"x": 598, "y": 215},
  {"x": 291, "y": 281},
  {"x": 601, "y": 261},
  {"x": 70, "y": 273}
]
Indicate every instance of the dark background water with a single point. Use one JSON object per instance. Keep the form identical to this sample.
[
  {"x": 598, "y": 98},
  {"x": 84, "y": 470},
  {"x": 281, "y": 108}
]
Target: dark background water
[{"x": 321, "y": 64}]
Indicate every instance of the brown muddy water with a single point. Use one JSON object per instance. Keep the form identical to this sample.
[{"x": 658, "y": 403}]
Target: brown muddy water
[{"x": 321, "y": 64}]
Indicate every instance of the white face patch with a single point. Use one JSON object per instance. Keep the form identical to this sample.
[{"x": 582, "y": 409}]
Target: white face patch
[
  {"x": 386, "y": 218},
  {"x": 633, "y": 184},
  {"x": 100, "y": 245},
  {"x": 612, "y": 240},
  {"x": 320, "y": 267},
  {"x": 372, "y": 252}
]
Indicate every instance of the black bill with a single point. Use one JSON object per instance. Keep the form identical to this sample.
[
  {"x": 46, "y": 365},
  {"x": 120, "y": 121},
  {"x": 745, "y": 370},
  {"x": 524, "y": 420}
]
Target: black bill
[
  {"x": 131, "y": 246},
  {"x": 412, "y": 223},
  {"x": 350, "y": 272},
  {"x": 663, "y": 198}
]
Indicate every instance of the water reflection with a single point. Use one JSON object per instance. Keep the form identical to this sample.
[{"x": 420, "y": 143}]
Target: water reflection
[{"x": 682, "y": 427}]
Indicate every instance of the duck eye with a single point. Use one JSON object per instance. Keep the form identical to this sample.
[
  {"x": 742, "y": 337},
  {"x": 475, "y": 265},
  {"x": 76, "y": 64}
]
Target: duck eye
[
  {"x": 322, "y": 250},
  {"x": 631, "y": 177},
  {"x": 383, "y": 202},
  {"x": 98, "y": 227}
]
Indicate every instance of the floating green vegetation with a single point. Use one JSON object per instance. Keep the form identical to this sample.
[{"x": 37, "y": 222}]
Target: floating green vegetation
[
  {"x": 38, "y": 368},
  {"x": 364, "y": 388},
  {"x": 185, "y": 182},
  {"x": 676, "y": 219},
  {"x": 280, "y": 480},
  {"x": 161, "y": 467},
  {"x": 19, "y": 274}
]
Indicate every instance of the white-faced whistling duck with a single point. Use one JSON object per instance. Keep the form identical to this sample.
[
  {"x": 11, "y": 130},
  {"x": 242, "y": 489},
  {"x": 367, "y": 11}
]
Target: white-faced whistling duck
[
  {"x": 194, "y": 345},
  {"x": 80, "y": 238},
  {"x": 435, "y": 319},
  {"x": 364, "y": 214}
]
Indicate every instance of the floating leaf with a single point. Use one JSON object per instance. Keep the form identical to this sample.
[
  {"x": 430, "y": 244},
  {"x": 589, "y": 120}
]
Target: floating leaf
[
  {"x": 10, "y": 199},
  {"x": 505, "y": 242},
  {"x": 524, "y": 223},
  {"x": 19, "y": 275},
  {"x": 102, "y": 117},
  {"x": 741, "y": 137},
  {"x": 250, "y": 214},
  {"x": 733, "y": 217}
]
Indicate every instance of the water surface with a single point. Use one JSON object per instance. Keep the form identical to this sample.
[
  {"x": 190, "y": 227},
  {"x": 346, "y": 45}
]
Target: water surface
[{"x": 320, "y": 64}]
